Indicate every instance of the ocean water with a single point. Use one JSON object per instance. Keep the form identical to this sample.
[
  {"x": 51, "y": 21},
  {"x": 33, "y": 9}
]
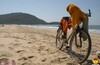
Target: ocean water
[{"x": 92, "y": 28}]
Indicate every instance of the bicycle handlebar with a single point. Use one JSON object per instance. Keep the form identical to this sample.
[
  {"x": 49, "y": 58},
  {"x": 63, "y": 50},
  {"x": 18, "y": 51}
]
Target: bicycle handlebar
[{"x": 89, "y": 14}]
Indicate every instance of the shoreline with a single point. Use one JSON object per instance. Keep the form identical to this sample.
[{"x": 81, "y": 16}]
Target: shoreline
[
  {"x": 56, "y": 27},
  {"x": 96, "y": 31}
]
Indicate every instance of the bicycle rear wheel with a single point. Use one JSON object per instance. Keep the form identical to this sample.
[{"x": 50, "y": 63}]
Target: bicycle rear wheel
[
  {"x": 80, "y": 46},
  {"x": 59, "y": 39}
]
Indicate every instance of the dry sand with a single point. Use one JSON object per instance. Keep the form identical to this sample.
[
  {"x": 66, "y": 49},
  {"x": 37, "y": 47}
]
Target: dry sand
[{"x": 35, "y": 46}]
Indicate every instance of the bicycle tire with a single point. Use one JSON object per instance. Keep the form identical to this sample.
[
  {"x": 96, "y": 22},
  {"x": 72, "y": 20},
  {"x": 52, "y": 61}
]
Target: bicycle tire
[
  {"x": 72, "y": 54},
  {"x": 58, "y": 39}
]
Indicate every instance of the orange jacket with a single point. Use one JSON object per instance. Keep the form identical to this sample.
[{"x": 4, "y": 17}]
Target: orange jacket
[
  {"x": 65, "y": 23},
  {"x": 76, "y": 14}
]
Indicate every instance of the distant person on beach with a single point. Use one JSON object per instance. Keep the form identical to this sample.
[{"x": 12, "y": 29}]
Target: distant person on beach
[
  {"x": 2, "y": 25},
  {"x": 77, "y": 17}
]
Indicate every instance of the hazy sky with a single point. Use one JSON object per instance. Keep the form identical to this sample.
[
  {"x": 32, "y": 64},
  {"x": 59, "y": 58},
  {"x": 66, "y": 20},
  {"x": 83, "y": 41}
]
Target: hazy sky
[{"x": 50, "y": 10}]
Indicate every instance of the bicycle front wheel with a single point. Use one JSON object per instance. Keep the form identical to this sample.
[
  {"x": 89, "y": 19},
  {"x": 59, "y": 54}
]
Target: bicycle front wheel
[
  {"x": 80, "y": 46},
  {"x": 59, "y": 39}
]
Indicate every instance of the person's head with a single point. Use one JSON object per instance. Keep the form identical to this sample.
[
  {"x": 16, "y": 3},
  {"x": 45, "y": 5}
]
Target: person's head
[
  {"x": 72, "y": 8},
  {"x": 68, "y": 7}
]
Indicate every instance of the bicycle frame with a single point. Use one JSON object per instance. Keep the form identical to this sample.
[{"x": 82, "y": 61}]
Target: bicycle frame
[{"x": 70, "y": 36}]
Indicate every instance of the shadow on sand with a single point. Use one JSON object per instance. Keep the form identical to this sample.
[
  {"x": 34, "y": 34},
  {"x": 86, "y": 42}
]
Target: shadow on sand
[{"x": 87, "y": 62}]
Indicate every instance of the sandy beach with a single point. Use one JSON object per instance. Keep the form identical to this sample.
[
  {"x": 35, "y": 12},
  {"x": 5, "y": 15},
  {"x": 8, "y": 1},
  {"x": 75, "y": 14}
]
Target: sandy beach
[{"x": 35, "y": 46}]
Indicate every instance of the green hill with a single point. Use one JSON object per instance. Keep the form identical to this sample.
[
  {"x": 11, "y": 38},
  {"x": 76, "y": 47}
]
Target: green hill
[{"x": 20, "y": 18}]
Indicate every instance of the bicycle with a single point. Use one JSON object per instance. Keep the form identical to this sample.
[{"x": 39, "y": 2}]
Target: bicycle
[{"x": 79, "y": 49}]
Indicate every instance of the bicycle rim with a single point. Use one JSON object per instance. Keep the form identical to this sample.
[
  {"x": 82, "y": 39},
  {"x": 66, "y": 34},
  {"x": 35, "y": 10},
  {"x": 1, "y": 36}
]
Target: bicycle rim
[
  {"x": 59, "y": 40},
  {"x": 80, "y": 54}
]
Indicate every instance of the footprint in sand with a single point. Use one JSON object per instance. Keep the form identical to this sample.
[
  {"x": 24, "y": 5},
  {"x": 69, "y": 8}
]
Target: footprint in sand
[
  {"x": 29, "y": 42},
  {"x": 3, "y": 60},
  {"x": 23, "y": 58},
  {"x": 1, "y": 45},
  {"x": 59, "y": 60},
  {"x": 41, "y": 48},
  {"x": 26, "y": 58},
  {"x": 30, "y": 57},
  {"x": 21, "y": 51},
  {"x": 43, "y": 60},
  {"x": 17, "y": 44}
]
